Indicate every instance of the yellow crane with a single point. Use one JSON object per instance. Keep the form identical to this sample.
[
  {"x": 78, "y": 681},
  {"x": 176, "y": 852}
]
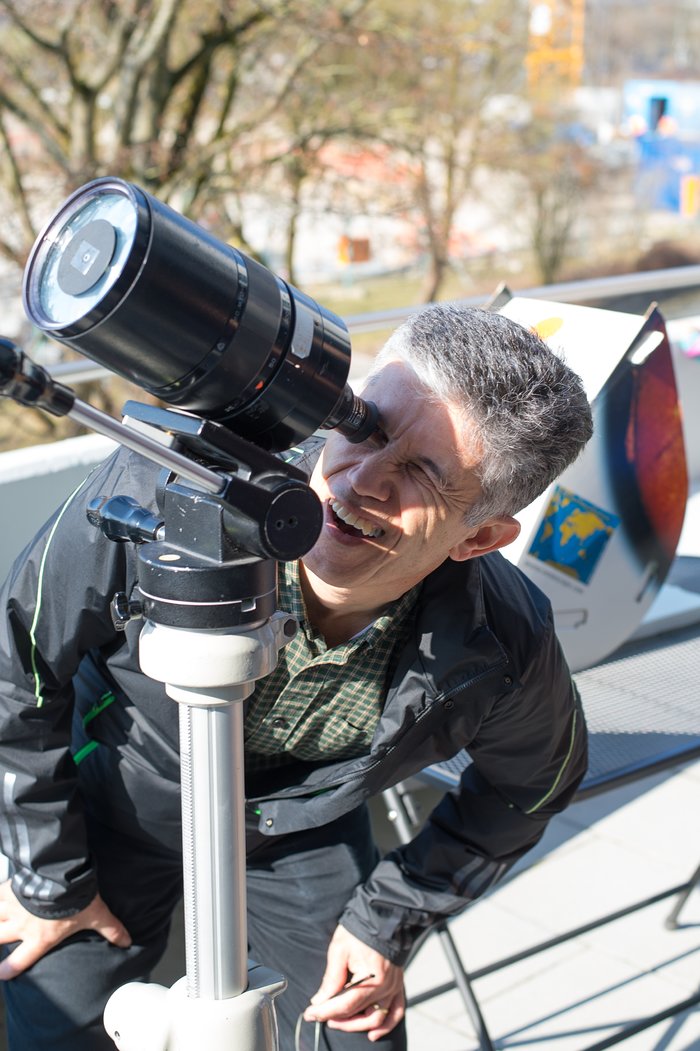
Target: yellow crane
[{"x": 555, "y": 45}]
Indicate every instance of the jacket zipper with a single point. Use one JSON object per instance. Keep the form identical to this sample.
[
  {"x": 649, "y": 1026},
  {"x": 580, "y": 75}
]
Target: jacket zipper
[{"x": 470, "y": 682}]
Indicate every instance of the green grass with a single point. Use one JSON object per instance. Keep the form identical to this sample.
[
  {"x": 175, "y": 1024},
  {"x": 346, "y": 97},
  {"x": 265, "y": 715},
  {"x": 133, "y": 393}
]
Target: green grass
[
  {"x": 390, "y": 292},
  {"x": 367, "y": 296}
]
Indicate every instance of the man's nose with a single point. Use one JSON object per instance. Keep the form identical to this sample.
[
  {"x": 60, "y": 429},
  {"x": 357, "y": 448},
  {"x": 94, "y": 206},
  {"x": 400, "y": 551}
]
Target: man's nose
[{"x": 370, "y": 476}]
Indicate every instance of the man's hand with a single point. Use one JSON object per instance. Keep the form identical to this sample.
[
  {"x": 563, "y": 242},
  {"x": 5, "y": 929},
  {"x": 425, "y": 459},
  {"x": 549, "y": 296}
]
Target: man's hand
[
  {"x": 373, "y": 1006},
  {"x": 37, "y": 935}
]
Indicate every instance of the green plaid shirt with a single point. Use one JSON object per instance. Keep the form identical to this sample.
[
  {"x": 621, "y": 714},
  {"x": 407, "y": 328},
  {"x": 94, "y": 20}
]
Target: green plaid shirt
[{"x": 321, "y": 703}]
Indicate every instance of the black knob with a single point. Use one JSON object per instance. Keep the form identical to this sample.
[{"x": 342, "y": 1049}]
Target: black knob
[{"x": 124, "y": 609}]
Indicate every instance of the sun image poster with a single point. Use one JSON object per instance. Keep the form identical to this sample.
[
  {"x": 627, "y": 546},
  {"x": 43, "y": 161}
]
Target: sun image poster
[{"x": 601, "y": 539}]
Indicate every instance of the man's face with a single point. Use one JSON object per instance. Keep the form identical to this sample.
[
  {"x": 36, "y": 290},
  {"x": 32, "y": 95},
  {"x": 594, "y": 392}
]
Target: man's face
[{"x": 393, "y": 514}]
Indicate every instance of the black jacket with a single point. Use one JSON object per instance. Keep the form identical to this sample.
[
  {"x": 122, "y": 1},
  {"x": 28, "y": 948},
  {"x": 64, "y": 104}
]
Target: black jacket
[{"x": 482, "y": 670}]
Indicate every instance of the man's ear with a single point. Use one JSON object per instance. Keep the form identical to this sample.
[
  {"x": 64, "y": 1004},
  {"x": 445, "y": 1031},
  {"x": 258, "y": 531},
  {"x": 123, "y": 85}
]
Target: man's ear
[{"x": 497, "y": 532}]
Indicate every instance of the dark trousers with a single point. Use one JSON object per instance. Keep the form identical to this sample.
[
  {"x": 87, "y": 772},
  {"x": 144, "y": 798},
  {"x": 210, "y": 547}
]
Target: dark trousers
[{"x": 297, "y": 886}]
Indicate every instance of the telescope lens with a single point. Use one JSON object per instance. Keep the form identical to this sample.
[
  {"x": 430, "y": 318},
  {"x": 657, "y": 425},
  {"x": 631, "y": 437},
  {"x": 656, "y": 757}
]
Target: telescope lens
[
  {"x": 127, "y": 281},
  {"x": 83, "y": 254}
]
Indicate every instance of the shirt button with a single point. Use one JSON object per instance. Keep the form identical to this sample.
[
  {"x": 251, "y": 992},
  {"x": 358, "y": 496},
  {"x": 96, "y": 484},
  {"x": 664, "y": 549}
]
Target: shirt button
[{"x": 279, "y": 722}]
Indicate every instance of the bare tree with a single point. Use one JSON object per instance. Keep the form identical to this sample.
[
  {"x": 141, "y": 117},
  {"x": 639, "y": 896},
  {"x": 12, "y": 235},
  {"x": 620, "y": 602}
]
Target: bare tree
[
  {"x": 445, "y": 62},
  {"x": 554, "y": 179},
  {"x": 160, "y": 92},
  {"x": 325, "y": 106}
]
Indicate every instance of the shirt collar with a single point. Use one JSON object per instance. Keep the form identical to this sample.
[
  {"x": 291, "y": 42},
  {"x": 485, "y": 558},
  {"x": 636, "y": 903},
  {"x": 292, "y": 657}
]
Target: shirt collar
[{"x": 291, "y": 599}]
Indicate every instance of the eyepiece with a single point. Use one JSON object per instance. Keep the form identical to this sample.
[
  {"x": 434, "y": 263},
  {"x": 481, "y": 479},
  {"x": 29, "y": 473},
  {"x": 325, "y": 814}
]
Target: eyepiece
[{"x": 356, "y": 419}]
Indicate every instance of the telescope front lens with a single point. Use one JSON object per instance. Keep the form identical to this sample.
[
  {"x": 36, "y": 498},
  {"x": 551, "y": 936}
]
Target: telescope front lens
[{"x": 81, "y": 255}]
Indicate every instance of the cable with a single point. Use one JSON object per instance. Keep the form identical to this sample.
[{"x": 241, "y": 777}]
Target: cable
[{"x": 297, "y": 1033}]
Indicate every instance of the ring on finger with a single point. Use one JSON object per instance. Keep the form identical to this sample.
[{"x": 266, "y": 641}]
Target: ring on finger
[{"x": 378, "y": 1007}]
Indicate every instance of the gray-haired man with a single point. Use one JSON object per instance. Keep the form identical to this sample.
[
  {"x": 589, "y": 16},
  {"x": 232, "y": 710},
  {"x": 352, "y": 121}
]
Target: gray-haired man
[{"x": 417, "y": 640}]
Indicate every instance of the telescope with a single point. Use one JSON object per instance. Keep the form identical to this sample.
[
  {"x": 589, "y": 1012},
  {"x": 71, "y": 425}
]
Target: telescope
[
  {"x": 250, "y": 367},
  {"x": 125, "y": 280}
]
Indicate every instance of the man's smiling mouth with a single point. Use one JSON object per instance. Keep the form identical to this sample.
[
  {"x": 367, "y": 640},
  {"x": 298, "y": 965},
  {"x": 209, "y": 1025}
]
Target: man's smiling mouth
[{"x": 354, "y": 524}]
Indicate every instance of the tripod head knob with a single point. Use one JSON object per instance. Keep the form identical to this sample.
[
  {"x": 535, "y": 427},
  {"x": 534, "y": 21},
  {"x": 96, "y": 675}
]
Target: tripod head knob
[{"x": 123, "y": 610}]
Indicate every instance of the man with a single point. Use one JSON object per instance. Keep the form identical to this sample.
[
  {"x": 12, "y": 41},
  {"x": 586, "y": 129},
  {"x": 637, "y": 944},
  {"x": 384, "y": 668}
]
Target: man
[{"x": 416, "y": 640}]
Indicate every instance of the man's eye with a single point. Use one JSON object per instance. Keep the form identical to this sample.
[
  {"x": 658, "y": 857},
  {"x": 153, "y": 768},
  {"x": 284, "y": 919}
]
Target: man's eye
[
  {"x": 420, "y": 470},
  {"x": 425, "y": 476}
]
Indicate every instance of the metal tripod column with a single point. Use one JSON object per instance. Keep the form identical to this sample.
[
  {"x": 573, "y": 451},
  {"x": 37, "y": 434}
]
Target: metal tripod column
[
  {"x": 213, "y": 834},
  {"x": 210, "y": 674}
]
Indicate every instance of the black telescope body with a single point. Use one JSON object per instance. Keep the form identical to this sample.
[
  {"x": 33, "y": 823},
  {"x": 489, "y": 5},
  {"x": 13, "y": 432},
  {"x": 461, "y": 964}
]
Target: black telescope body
[{"x": 127, "y": 281}]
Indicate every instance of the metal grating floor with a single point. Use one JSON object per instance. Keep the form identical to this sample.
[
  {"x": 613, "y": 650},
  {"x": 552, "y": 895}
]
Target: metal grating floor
[{"x": 643, "y": 702}]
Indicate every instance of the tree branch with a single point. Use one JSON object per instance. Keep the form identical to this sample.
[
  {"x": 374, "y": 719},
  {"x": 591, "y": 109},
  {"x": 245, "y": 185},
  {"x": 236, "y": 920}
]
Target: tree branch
[
  {"x": 16, "y": 185},
  {"x": 52, "y": 148},
  {"x": 30, "y": 87},
  {"x": 42, "y": 42}
]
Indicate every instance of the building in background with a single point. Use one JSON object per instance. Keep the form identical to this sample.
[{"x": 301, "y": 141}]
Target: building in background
[{"x": 663, "y": 116}]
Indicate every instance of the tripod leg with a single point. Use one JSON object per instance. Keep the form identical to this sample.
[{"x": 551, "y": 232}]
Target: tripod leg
[
  {"x": 404, "y": 818},
  {"x": 401, "y": 812},
  {"x": 671, "y": 921},
  {"x": 465, "y": 988}
]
